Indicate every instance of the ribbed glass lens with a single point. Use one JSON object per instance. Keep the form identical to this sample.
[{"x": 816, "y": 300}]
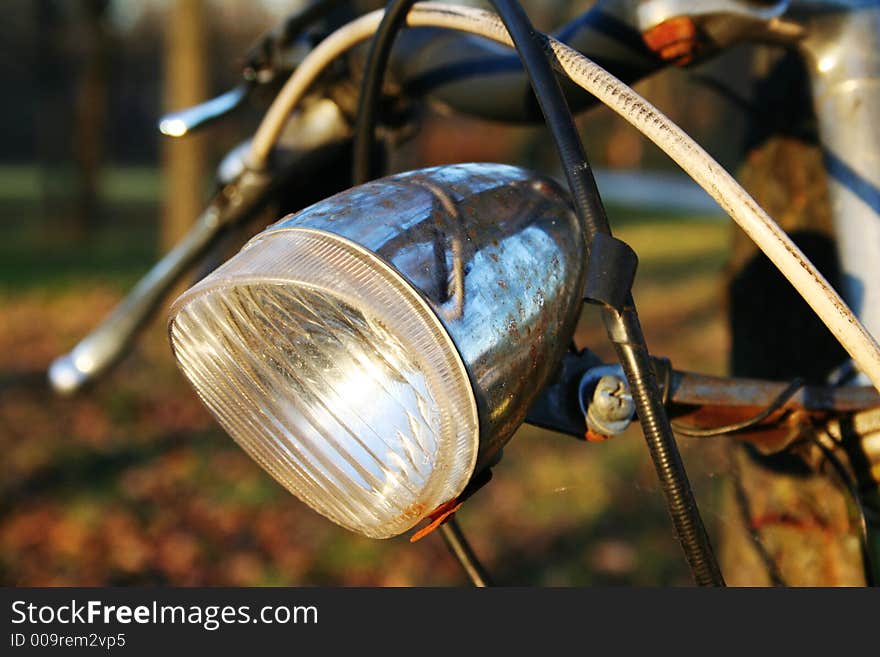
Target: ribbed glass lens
[{"x": 334, "y": 375}]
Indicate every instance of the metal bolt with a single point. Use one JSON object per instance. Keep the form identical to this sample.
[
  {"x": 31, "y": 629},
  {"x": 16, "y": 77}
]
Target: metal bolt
[{"x": 612, "y": 408}]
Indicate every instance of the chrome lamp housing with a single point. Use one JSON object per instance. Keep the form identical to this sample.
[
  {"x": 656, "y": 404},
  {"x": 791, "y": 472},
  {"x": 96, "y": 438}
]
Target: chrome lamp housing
[{"x": 377, "y": 349}]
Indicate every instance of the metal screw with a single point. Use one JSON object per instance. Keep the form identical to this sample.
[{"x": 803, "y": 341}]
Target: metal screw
[{"x": 612, "y": 408}]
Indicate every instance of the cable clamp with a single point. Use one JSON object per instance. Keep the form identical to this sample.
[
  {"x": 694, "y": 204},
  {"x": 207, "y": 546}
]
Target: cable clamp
[{"x": 611, "y": 270}]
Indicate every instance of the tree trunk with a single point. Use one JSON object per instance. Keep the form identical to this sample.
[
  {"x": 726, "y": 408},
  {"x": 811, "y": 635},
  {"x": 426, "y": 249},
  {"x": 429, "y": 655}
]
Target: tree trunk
[
  {"x": 789, "y": 520},
  {"x": 52, "y": 121},
  {"x": 185, "y": 85},
  {"x": 91, "y": 112}
]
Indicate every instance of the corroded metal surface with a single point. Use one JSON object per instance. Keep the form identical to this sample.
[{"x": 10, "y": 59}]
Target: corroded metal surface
[
  {"x": 703, "y": 389},
  {"x": 504, "y": 270}
]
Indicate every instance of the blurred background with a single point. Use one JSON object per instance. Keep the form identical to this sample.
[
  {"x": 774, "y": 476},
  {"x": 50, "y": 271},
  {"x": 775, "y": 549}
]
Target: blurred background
[{"x": 132, "y": 482}]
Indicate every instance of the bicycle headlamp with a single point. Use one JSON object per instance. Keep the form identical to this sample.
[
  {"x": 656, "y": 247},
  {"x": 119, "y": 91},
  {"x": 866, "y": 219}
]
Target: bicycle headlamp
[{"x": 376, "y": 349}]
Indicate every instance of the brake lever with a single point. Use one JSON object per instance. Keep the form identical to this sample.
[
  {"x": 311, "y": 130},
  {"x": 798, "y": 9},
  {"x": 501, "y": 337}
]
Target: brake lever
[
  {"x": 101, "y": 348},
  {"x": 190, "y": 119},
  {"x": 274, "y": 56},
  {"x": 185, "y": 121},
  {"x": 321, "y": 125}
]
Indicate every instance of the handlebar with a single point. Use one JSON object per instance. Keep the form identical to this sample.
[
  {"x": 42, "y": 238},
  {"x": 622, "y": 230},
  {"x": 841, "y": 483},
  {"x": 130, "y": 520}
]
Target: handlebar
[
  {"x": 485, "y": 80},
  {"x": 101, "y": 348},
  {"x": 465, "y": 73},
  {"x": 185, "y": 121},
  {"x": 468, "y": 74},
  {"x": 313, "y": 136}
]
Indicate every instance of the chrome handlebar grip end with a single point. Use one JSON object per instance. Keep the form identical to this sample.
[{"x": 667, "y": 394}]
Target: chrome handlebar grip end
[
  {"x": 65, "y": 377},
  {"x": 107, "y": 343},
  {"x": 185, "y": 121}
]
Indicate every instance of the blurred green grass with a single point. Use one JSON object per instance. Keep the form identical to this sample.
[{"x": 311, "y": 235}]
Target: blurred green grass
[
  {"x": 132, "y": 483},
  {"x": 37, "y": 250}
]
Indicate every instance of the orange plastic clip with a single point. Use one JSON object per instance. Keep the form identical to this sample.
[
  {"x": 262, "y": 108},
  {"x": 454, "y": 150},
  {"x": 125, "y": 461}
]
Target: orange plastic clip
[
  {"x": 446, "y": 510},
  {"x": 676, "y": 40},
  {"x": 595, "y": 437},
  {"x": 437, "y": 517}
]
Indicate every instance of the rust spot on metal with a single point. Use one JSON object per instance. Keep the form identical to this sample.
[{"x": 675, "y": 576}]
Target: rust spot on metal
[
  {"x": 771, "y": 436},
  {"x": 512, "y": 329}
]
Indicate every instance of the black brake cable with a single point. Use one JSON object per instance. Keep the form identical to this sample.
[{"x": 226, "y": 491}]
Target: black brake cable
[
  {"x": 458, "y": 545},
  {"x": 621, "y": 323},
  {"x": 261, "y": 54},
  {"x": 371, "y": 89},
  {"x": 861, "y": 519},
  {"x": 711, "y": 432}
]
